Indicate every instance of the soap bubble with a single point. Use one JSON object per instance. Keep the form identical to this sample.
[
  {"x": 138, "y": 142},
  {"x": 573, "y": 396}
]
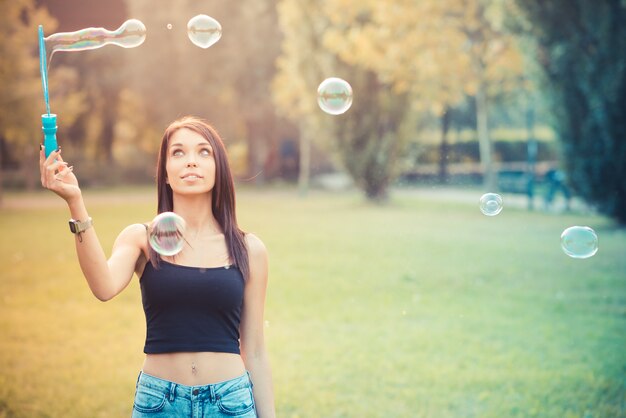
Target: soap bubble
[
  {"x": 334, "y": 96},
  {"x": 579, "y": 242},
  {"x": 204, "y": 31},
  {"x": 169, "y": 26},
  {"x": 166, "y": 233},
  {"x": 491, "y": 204},
  {"x": 131, "y": 34}
]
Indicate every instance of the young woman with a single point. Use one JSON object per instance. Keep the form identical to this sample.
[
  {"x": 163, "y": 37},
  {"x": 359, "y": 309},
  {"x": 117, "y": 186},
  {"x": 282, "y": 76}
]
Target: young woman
[{"x": 205, "y": 350}]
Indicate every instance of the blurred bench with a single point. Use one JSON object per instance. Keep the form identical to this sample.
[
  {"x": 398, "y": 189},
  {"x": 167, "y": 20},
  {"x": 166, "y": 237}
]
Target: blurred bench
[{"x": 513, "y": 181}]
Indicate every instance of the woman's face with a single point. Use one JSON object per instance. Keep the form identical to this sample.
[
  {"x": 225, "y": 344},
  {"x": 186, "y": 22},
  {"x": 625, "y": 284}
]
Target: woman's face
[{"x": 190, "y": 163}]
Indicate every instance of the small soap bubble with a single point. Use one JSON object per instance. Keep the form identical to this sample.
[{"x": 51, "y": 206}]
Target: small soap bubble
[
  {"x": 204, "y": 31},
  {"x": 166, "y": 234},
  {"x": 169, "y": 26},
  {"x": 579, "y": 242},
  {"x": 334, "y": 96},
  {"x": 491, "y": 204}
]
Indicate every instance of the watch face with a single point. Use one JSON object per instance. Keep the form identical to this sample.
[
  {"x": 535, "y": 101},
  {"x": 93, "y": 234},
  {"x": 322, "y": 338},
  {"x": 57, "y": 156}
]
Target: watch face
[{"x": 73, "y": 226}]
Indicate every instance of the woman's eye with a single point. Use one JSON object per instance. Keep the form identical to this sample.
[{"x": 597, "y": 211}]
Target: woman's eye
[
  {"x": 205, "y": 151},
  {"x": 177, "y": 153}
]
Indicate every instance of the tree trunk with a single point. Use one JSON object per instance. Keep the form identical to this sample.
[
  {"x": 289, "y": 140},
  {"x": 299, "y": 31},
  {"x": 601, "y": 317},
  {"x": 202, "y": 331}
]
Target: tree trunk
[
  {"x": 30, "y": 168},
  {"x": 485, "y": 146},
  {"x": 1, "y": 172},
  {"x": 531, "y": 151},
  {"x": 377, "y": 193},
  {"x": 443, "y": 147},
  {"x": 305, "y": 159},
  {"x": 107, "y": 135},
  {"x": 255, "y": 143}
]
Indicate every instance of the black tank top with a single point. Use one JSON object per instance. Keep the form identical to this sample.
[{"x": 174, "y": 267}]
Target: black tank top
[{"x": 191, "y": 309}]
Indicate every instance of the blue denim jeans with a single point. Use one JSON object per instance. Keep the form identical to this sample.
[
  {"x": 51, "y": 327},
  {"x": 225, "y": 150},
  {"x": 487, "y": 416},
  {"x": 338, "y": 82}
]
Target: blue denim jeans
[{"x": 158, "y": 398}]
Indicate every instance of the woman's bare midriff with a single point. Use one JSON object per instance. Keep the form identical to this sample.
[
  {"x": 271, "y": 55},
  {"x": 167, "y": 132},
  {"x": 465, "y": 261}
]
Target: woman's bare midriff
[{"x": 194, "y": 369}]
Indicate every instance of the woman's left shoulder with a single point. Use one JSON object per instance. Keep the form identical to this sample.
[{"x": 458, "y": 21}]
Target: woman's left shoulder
[
  {"x": 257, "y": 257},
  {"x": 256, "y": 247}
]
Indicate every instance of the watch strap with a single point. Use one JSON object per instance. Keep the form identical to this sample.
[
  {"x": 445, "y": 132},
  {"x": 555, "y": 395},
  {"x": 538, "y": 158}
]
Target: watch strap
[{"x": 76, "y": 227}]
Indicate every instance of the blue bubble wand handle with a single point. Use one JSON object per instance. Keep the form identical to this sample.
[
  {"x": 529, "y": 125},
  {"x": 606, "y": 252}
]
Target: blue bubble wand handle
[
  {"x": 48, "y": 120},
  {"x": 49, "y": 128}
]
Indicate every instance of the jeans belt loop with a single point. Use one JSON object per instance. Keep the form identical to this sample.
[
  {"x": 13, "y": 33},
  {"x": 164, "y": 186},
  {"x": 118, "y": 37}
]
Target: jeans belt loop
[
  {"x": 212, "y": 393},
  {"x": 172, "y": 391}
]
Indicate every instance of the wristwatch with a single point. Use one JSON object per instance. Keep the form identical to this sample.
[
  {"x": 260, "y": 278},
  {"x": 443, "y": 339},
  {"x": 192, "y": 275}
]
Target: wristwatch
[{"x": 80, "y": 226}]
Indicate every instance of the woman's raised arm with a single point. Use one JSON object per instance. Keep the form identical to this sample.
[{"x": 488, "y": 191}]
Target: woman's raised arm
[{"x": 105, "y": 278}]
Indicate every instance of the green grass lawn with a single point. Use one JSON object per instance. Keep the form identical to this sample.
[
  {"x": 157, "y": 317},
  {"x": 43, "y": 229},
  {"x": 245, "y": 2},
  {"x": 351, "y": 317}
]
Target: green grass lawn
[{"x": 419, "y": 308}]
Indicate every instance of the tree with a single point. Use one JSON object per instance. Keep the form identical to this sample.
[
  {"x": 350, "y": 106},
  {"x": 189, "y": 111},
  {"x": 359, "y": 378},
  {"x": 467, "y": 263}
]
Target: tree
[
  {"x": 581, "y": 50},
  {"x": 228, "y": 83},
  {"x": 301, "y": 66},
  {"x": 494, "y": 63},
  {"x": 21, "y": 97},
  {"x": 367, "y": 138},
  {"x": 252, "y": 65},
  {"x": 423, "y": 57},
  {"x": 427, "y": 56}
]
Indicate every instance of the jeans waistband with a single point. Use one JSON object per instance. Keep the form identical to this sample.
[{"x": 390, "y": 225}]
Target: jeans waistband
[{"x": 209, "y": 392}]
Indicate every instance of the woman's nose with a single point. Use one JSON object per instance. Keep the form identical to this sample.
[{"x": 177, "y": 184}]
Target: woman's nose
[{"x": 191, "y": 161}]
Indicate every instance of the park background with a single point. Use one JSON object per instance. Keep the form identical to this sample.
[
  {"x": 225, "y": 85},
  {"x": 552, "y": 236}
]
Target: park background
[{"x": 390, "y": 293}]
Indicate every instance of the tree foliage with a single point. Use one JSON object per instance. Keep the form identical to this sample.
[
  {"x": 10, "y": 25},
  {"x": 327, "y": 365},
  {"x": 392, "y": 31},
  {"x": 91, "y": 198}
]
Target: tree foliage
[
  {"x": 21, "y": 97},
  {"x": 581, "y": 48},
  {"x": 228, "y": 83},
  {"x": 411, "y": 57}
]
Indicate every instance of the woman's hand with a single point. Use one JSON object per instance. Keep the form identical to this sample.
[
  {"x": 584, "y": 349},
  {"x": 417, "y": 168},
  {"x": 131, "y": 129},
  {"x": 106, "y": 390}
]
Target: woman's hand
[{"x": 57, "y": 176}]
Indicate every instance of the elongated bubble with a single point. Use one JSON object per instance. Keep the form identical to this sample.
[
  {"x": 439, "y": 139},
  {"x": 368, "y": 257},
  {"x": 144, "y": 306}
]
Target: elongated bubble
[
  {"x": 131, "y": 34},
  {"x": 204, "y": 31},
  {"x": 165, "y": 234}
]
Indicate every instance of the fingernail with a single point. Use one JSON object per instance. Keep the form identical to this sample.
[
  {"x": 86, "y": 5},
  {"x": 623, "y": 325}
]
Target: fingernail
[
  {"x": 40, "y": 147},
  {"x": 58, "y": 149}
]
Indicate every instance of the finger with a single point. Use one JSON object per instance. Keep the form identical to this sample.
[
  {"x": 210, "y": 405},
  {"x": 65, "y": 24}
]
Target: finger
[
  {"x": 51, "y": 160},
  {"x": 42, "y": 159},
  {"x": 54, "y": 155},
  {"x": 50, "y": 171},
  {"x": 62, "y": 173},
  {"x": 56, "y": 167}
]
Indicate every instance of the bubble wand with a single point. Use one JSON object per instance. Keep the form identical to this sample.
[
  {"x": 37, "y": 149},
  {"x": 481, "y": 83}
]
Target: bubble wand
[
  {"x": 48, "y": 120},
  {"x": 132, "y": 33}
]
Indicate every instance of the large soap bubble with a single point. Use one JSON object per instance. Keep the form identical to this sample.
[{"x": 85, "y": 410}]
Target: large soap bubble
[
  {"x": 579, "y": 242},
  {"x": 166, "y": 233},
  {"x": 491, "y": 204},
  {"x": 204, "y": 31},
  {"x": 334, "y": 96}
]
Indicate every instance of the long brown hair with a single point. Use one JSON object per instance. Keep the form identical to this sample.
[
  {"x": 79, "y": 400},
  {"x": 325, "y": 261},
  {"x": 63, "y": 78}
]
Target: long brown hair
[{"x": 223, "y": 199}]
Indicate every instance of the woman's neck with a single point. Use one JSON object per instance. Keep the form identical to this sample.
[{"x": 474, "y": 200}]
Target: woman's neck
[{"x": 198, "y": 214}]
